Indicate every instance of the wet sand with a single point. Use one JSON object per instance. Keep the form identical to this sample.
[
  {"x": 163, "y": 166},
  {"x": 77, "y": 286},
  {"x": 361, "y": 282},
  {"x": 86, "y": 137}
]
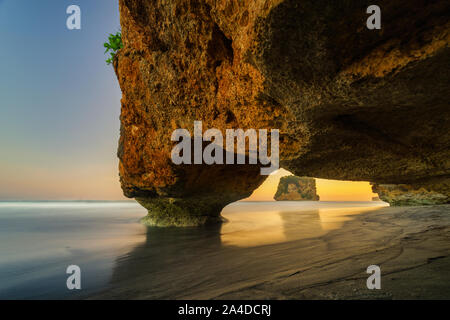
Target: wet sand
[{"x": 292, "y": 253}]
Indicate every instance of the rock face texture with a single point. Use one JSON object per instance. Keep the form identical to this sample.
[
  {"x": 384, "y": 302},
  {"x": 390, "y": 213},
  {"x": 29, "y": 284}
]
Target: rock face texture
[
  {"x": 350, "y": 103},
  {"x": 293, "y": 188},
  {"x": 407, "y": 195}
]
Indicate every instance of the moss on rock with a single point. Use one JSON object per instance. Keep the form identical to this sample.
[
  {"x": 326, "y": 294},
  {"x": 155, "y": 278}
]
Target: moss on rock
[{"x": 164, "y": 212}]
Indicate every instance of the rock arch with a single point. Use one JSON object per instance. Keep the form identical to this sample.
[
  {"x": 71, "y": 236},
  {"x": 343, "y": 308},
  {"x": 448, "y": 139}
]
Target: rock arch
[{"x": 350, "y": 103}]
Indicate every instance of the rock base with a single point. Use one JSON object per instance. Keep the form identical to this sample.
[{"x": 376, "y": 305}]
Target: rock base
[
  {"x": 175, "y": 212},
  {"x": 408, "y": 195}
]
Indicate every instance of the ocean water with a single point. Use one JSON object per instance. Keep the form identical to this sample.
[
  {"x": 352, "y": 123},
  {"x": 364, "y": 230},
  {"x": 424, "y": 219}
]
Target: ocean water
[{"x": 39, "y": 240}]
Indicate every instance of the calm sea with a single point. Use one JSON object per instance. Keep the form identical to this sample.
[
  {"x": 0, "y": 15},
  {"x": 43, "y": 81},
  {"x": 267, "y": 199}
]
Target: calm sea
[{"x": 39, "y": 240}]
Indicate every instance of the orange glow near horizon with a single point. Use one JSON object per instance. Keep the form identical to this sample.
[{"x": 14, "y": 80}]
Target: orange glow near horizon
[
  {"x": 79, "y": 182},
  {"x": 100, "y": 182},
  {"x": 328, "y": 190},
  {"x": 335, "y": 190}
]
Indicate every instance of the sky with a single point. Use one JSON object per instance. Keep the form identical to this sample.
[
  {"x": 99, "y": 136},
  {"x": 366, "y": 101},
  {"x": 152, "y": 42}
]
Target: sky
[
  {"x": 60, "y": 107},
  {"x": 60, "y": 102},
  {"x": 328, "y": 190}
]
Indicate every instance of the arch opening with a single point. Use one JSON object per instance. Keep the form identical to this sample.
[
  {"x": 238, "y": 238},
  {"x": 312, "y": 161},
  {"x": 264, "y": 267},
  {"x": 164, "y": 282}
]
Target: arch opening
[{"x": 327, "y": 190}]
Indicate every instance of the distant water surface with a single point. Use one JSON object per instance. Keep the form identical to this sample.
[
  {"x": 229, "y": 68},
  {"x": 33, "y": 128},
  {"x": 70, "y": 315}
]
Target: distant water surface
[{"x": 38, "y": 240}]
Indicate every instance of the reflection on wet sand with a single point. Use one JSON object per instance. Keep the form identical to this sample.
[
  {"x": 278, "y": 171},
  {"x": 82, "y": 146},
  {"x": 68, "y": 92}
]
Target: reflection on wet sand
[
  {"x": 255, "y": 223},
  {"x": 257, "y": 244},
  {"x": 279, "y": 250},
  {"x": 170, "y": 260}
]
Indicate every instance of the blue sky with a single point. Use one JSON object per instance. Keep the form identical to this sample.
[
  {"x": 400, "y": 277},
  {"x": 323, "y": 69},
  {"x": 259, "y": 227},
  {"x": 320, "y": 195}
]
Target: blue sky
[{"x": 60, "y": 102}]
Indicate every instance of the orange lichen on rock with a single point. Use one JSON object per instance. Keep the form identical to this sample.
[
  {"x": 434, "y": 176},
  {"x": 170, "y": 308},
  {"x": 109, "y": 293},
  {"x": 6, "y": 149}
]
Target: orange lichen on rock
[{"x": 350, "y": 103}]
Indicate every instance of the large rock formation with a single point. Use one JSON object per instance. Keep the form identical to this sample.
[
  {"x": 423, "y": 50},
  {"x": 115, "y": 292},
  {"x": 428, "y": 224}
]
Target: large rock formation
[
  {"x": 293, "y": 188},
  {"x": 407, "y": 195},
  {"x": 350, "y": 103}
]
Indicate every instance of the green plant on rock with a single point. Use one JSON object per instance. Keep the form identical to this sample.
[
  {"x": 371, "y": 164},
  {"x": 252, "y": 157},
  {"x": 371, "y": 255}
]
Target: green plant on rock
[{"x": 113, "y": 45}]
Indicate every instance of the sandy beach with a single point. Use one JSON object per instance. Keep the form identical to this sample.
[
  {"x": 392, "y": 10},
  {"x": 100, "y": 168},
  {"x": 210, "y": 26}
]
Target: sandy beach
[{"x": 314, "y": 258}]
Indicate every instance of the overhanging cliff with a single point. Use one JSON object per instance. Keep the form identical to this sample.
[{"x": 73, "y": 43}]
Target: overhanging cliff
[{"x": 350, "y": 103}]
